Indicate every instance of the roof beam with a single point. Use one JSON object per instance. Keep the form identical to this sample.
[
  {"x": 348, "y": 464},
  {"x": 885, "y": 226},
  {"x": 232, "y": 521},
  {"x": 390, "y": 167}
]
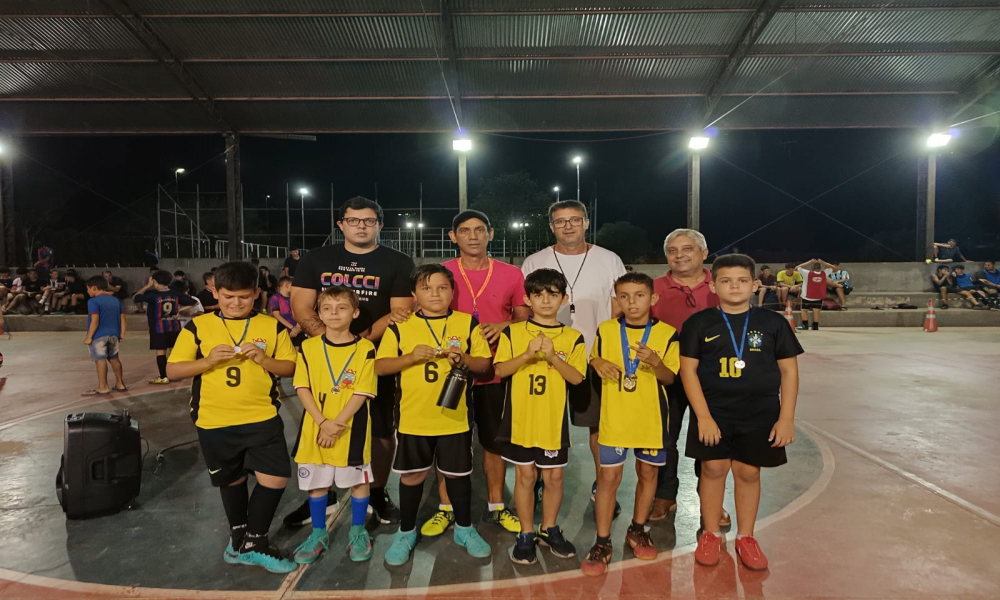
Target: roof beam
[
  {"x": 142, "y": 31},
  {"x": 451, "y": 56},
  {"x": 986, "y": 83},
  {"x": 758, "y": 22}
]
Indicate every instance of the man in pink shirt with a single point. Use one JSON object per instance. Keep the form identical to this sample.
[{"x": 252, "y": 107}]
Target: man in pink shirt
[
  {"x": 493, "y": 293},
  {"x": 682, "y": 292}
]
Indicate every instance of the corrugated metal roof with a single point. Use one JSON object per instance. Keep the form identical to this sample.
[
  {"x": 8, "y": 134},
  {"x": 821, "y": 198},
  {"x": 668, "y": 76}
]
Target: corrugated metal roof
[
  {"x": 88, "y": 80},
  {"x": 235, "y": 7},
  {"x": 828, "y": 111},
  {"x": 81, "y": 33}
]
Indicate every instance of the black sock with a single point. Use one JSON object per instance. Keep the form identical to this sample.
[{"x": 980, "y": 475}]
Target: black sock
[
  {"x": 260, "y": 510},
  {"x": 460, "y": 492},
  {"x": 816, "y": 326},
  {"x": 376, "y": 499},
  {"x": 409, "y": 504},
  {"x": 161, "y": 364},
  {"x": 636, "y": 526},
  {"x": 235, "y": 500},
  {"x": 604, "y": 540},
  {"x": 805, "y": 323}
]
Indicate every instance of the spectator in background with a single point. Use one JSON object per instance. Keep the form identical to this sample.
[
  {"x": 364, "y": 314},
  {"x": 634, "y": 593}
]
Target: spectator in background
[
  {"x": 16, "y": 287},
  {"x": 946, "y": 253},
  {"x": 53, "y": 287},
  {"x": 116, "y": 286},
  {"x": 182, "y": 276},
  {"x": 31, "y": 292},
  {"x": 789, "y": 283},
  {"x": 67, "y": 301},
  {"x": 967, "y": 288},
  {"x": 943, "y": 283},
  {"x": 813, "y": 292},
  {"x": 140, "y": 306},
  {"x": 105, "y": 331},
  {"x": 280, "y": 307},
  {"x": 838, "y": 280},
  {"x": 988, "y": 281},
  {"x": 207, "y": 295},
  {"x": 163, "y": 308},
  {"x": 291, "y": 263},
  {"x": 6, "y": 285},
  {"x": 768, "y": 286},
  {"x": 45, "y": 259},
  {"x": 181, "y": 288}
]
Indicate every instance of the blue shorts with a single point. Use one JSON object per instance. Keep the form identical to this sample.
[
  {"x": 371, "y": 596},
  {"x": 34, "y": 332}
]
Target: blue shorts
[
  {"x": 612, "y": 457},
  {"x": 104, "y": 348}
]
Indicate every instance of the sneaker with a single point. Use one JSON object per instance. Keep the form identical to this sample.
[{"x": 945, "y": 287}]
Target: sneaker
[
  {"x": 523, "y": 552},
  {"x": 943, "y": 305},
  {"x": 642, "y": 545},
  {"x": 750, "y": 553},
  {"x": 661, "y": 508},
  {"x": 468, "y": 538},
  {"x": 360, "y": 545},
  {"x": 301, "y": 515},
  {"x": 230, "y": 554},
  {"x": 709, "y": 547},
  {"x": 398, "y": 553},
  {"x": 159, "y": 380},
  {"x": 388, "y": 514},
  {"x": 725, "y": 520},
  {"x": 506, "y": 519},
  {"x": 268, "y": 557},
  {"x": 593, "y": 498},
  {"x": 554, "y": 540},
  {"x": 438, "y": 524},
  {"x": 309, "y": 550},
  {"x": 597, "y": 560},
  {"x": 801, "y": 328}
]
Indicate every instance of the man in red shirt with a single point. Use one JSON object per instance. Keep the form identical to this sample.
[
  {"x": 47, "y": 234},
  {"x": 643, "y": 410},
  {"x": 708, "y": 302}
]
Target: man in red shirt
[
  {"x": 814, "y": 286},
  {"x": 493, "y": 293},
  {"x": 682, "y": 292}
]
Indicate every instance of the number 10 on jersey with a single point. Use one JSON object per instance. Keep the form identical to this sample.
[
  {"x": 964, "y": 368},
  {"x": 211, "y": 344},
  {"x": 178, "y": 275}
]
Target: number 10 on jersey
[{"x": 727, "y": 367}]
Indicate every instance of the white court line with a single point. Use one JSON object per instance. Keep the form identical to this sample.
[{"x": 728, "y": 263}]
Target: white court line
[
  {"x": 292, "y": 579},
  {"x": 954, "y": 499}
]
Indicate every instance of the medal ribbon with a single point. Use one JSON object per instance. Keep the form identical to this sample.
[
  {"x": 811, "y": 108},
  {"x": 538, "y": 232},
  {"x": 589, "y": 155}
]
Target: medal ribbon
[
  {"x": 632, "y": 364},
  {"x": 337, "y": 380},
  {"x": 246, "y": 328},
  {"x": 732, "y": 336},
  {"x": 443, "y": 331},
  {"x": 468, "y": 284}
]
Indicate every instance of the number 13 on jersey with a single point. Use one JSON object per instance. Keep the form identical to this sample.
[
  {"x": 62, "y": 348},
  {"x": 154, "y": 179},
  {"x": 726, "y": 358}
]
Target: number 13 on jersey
[{"x": 727, "y": 368}]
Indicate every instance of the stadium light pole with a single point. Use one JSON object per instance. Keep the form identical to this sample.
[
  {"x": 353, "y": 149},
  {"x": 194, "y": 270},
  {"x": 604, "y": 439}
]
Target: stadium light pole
[
  {"x": 696, "y": 144},
  {"x": 463, "y": 145},
  {"x": 556, "y": 190},
  {"x": 927, "y": 194},
  {"x": 577, "y": 160},
  {"x": 303, "y": 192}
]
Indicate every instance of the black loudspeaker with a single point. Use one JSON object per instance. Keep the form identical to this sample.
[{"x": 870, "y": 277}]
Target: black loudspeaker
[{"x": 101, "y": 467}]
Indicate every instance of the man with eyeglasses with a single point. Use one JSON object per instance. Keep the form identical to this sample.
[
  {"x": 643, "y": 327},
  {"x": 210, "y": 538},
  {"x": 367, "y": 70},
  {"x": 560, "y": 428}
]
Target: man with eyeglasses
[
  {"x": 380, "y": 277},
  {"x": 591, "y": 272},
  {"x": 683, "y": 291}
]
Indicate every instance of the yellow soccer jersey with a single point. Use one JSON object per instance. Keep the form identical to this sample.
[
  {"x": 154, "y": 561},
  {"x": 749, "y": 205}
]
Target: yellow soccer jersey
[
  {"x": 420, "y": 385},
  {"x": 536, "y": 416},
  {"x": 239, "y": 391},
  {"x": 637, "y": 418},
  {"x": 356, "y": 360}
]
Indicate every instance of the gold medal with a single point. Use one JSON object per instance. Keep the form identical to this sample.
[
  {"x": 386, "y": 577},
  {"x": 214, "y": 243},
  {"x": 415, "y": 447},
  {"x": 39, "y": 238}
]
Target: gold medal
[
  {"x": 630, "y": 382},
  {"x": 336, "y": 389}
]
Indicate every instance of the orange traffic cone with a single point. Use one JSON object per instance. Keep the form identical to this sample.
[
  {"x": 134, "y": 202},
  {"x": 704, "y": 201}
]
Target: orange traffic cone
[
  {"x": 789, "y": 316},
  {"x": 930, "y": 320}
]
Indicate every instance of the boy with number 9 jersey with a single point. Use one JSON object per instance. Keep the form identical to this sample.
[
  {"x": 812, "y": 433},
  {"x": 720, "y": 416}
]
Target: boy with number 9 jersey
[{"x": 235, "y": 357}]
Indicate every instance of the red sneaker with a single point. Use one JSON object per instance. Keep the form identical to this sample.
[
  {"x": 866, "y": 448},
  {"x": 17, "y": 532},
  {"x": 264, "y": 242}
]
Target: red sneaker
[
  {"x": 597, "y": 560},
  {"x": 709, "y": 546},
  {"x": 750, "y": 553}
]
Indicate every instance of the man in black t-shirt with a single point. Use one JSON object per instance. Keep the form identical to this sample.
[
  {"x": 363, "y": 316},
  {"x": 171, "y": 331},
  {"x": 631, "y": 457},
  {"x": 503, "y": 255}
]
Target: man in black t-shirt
[
  {"x": 116, "y": 286},
  {"x": 949, "y": 252},
  {"x": 380, "y": 277},
  {"x": 291, "y": 263}
]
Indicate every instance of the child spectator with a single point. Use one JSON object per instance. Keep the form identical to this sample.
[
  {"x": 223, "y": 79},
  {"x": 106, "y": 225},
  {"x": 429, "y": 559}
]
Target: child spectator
[
  {"x": 207, "y": 295},
  {"x": 421, "y": 350},
  {"x": 234, "y": 357},
  {"x": 536, "y": 359},
  {"x": 789, "y": 283},
  {"x": 67, "y": 301},
  {"x": 105, "y": 331},
  {"x": 943, "y": 283},
  {"x": 51, "y": 290},
  {"x": 16, "y": 288},
  {"x": 838, "y": 280},
  {"x": 182, "y": 276},
  {"x": 740, "y": 373},
  {"x": 181, "y": 287},
  {"x": 335, "y": 379},
  {"x": 163, "y": 308},
  {"x": 280, "y": 307},
  {"x": 268, "y": 286},
  {"x": 967, "y": 288},
  {"x": 140, "y": 307},
  {"x": 634, "y": 412},
  {"x": 6, "y": 285},
  {"x": 29, "y": 293},
  {"x": 813, "y": 292},
  {"x": 768, "y": 287}
]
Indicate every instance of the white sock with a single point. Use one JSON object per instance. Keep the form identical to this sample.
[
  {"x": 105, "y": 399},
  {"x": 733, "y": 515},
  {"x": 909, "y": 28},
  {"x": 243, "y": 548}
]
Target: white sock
[
  {"x": 493, "y": 507},
  {"x": 445, "y": 507},
  {"x": 717, "y": 534},
  {"x": 740, "y": 535}
]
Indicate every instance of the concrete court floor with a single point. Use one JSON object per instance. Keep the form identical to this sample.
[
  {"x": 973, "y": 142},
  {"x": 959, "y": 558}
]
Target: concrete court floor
[{"x": 904, "y": 505}]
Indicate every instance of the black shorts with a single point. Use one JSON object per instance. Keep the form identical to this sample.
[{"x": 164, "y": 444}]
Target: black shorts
[
  {"x": 744, "y": 440},
  {"x": 415, "y": 453},
  {"x": 382, "y": 408},
  {"x": 816, "y": 304},
  {"x": 162, "y": 341},
  {"x": 543, "y": 459},
  {"x": 487, "y": 410},
  {"x": 231, "y": 452},
  {"x": 585, "y": 401},
  {"x": 947, "y": 288}
]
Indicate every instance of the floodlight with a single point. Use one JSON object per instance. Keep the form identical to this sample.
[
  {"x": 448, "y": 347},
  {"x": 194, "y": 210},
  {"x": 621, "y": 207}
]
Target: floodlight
[
  {"x": 577, "y": 160},
  {"x": 938, "y": 140},
  {"x": 179, "y": 171},
  {"x": 461, "y": 145},
  {"x": 304, "y": 191},
  {"x": 698, "y": 142}
]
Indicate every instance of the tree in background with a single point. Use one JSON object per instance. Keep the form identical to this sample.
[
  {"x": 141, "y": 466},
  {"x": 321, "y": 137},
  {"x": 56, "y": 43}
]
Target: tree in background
[
  {"x": 510, "y": 198},
  {"x": 626, "y": 240}
]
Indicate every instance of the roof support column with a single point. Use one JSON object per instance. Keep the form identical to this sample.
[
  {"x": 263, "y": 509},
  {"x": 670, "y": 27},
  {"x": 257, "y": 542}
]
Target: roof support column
[
  {"x": 234, "y": 196},
  {"x": 694, "y": 191}
]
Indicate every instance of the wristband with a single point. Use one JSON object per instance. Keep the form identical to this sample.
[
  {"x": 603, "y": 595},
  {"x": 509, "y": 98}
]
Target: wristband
[{"x": 321, "y": 423}]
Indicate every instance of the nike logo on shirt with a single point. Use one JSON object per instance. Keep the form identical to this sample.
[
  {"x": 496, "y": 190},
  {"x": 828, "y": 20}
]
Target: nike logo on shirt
[
  {"x": 709, "y": 339},
  {"x": 211, "y": 472}
]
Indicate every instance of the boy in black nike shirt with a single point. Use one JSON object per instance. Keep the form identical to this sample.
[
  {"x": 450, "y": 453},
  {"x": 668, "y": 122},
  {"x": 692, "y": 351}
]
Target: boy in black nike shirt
[{"x": 740, "y": 373}]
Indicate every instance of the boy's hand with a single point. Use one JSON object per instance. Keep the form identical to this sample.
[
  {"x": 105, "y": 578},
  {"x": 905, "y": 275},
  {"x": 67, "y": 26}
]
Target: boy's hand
[
  {"x": 220, "y": 354},
  {"x": 708, "y": 432},
  {"x": 605, "y": 369},
  {"x": 325, "y": 441},
  {"x": 332, "y": 428},
  {"x": 87, "y": 341},
  {"x": 423, "y": 353},
  {"x": 456, "y": 358},
  {"x": 548, "y": 348},
  {"x": 253, "y": 352},
  {"x": 782, "y": 434},
  {"x": 535, "y": 345},
  {"x": 645, "y": 354}
]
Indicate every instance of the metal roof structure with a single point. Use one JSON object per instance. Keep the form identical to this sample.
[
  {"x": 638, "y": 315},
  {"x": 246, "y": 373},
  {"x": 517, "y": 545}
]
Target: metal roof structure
[{"x": 320, "y": 66}]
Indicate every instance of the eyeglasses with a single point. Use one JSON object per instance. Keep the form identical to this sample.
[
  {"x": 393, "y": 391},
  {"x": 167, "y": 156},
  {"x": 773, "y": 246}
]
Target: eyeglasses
[
  {"x": 689, "y": 297},
  {"x": 574, "y": 221},
  {"x": 355, "y": 221}
]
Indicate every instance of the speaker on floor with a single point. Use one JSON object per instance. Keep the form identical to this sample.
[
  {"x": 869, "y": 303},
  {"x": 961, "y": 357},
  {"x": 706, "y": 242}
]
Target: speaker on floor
[{"x": 101, "y": 467}]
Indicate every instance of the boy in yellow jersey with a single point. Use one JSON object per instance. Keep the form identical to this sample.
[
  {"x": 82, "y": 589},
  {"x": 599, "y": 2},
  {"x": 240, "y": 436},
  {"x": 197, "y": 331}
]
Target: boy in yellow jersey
[
  {"x": 235, "y": 357},
  {"x": 536, "y": 359},
  {"x": 335, "y": 379},
  {"x": 422, "y": 350},
  {"x": 740, "y": 371},
  {"x": 635, "y": 356}
]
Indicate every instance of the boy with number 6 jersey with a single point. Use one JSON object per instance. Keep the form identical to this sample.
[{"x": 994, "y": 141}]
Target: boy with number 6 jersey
[{"x": 536, "y": 359}]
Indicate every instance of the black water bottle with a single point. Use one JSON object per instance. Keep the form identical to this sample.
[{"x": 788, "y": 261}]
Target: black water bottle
[{"x": 455, "y": 385}]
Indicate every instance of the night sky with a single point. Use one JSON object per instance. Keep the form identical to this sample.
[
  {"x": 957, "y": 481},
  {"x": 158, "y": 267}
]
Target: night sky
[{"x": 640, "y": 180}]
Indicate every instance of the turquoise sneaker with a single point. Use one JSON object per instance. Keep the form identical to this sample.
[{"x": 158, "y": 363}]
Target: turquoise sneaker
[
  {"x": 468, "y": 538},
  {"x": 309, "y": 550},
  {"x": 360, "y": 545},
  {"x": 268, "y": 557},
  {"x": 231, "y": 555},
  {"x": 402, "y": 544}
]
